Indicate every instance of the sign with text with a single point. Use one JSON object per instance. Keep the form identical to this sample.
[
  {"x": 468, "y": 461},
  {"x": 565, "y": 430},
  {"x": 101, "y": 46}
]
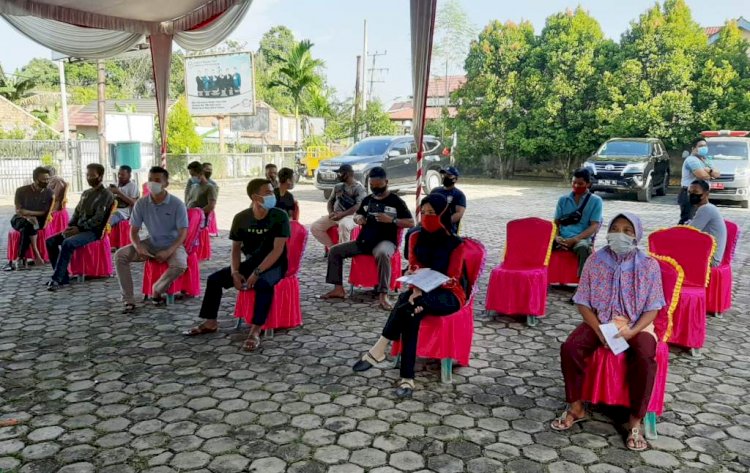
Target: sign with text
[{"x": 220, "y": 85}]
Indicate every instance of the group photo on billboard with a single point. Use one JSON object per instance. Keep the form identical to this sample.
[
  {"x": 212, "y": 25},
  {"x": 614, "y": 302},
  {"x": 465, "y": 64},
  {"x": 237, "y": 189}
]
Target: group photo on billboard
[{"x": 220, "y": 85}]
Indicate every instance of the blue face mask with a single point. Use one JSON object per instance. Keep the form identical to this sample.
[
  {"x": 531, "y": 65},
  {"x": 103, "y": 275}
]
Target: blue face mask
[
  {"x": 269, "y": 201},
  {"x": 703, "y": 151},
  {"x": 195, "y": 180}
]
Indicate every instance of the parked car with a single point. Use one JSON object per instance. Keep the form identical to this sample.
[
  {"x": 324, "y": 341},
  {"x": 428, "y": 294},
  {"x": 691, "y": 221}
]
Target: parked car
[
  {"x": 397, "y": 154},
  {"x": 631, "y": 165},
  {"x": 729, "y": 153}
]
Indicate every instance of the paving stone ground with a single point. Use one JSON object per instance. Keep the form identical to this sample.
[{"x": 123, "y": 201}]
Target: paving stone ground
[{"x": 96, "y": 391}]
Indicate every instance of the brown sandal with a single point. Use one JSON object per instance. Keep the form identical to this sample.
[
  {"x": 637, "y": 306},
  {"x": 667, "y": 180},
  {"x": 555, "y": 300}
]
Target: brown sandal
[
  {"x": 251, "y": 344},
  {"x": 199, "y": 330}
]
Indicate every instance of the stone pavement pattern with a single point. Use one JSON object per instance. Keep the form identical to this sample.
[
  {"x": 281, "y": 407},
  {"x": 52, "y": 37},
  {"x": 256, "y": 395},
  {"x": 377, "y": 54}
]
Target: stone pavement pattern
[{"x": 98, "y": 391}]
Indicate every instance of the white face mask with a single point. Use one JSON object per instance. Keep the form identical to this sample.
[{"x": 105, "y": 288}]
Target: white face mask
[
  {"x": 621, "y": 243},
  {"x": 154, "y": 187}
]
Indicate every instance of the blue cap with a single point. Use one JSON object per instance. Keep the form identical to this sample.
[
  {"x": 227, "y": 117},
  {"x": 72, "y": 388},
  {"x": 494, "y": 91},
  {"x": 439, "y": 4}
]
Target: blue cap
[{"x": 450, "y": 170}]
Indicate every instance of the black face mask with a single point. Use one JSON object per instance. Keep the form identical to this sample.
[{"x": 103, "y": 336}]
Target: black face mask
[
  {"x": 41, "y": 185},
  {"x": 207, "y": 174},
  {"x": 378, "y": 190},
  {"x": 695, "y": 199},
  {"x": 342, "y": 177},
  {"x": 448, "y": 182}
]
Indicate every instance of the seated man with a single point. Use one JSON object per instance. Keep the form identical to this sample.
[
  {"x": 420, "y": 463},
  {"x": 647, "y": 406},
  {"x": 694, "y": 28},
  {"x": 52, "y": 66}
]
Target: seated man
[
  {"x": 125, "y": 192},
  {"x": 272, "y": 174},
  {"x": 707, "y": 218},
  {"x": 284, "y": 199},
  {"x": 345, "y": 200},
  {"x": 260, "y": 233},
  {"x": 202, "y": 193},
  {"x": 86, "y": 226},
  {"x": 33, "y": 204},
  {"x": 578, "y": 217},
  {"x": 165, "y": 218},
  {"x": 58, "y": 186},
  {"x": 381, "y": 215}
]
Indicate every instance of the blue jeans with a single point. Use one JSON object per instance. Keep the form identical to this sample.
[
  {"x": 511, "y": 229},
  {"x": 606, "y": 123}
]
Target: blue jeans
[{"x": 60, "y": 250}]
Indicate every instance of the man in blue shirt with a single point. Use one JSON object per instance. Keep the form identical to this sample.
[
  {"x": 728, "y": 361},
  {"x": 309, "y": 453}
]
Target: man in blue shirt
[
  {"x": 578, "y": 217},
  {"x": 165, "y": 217},
  {"x": 695, "y": 167}
]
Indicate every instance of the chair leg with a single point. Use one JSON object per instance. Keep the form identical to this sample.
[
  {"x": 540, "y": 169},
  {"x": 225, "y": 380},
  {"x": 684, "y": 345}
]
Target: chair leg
[
  {"x": 269, "y": 333},
  {"x": 696, "y": 353},
  {"x": 80, "y": 278},
  {"x": 397, "y": 362},
  {"x": 532, "y": 321},
  {"x": 238, "y": 324},
  {"x": 170, "y": 299},
  {"x": 649, "y": 426},
  {"x": 446, "y": 370},
  {"x": 351, "y": 290}
]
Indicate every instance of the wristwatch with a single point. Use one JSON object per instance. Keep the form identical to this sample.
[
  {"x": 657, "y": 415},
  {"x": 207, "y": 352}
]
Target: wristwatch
[{"x": 257, "y": 271}]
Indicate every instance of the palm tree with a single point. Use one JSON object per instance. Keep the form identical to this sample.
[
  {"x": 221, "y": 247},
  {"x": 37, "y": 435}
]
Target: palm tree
[
  {"x": 298, "y": 73},
  {"x": 15, "y": 88}
]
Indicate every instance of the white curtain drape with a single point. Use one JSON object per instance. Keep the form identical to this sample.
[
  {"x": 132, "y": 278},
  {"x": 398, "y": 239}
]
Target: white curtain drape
[
  {"x": 161, "y": 59},
  {"x": 215, "y": 32}
]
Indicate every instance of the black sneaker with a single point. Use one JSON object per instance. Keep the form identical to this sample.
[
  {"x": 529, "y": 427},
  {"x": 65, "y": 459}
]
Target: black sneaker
[{"x": 53, "y": 285}]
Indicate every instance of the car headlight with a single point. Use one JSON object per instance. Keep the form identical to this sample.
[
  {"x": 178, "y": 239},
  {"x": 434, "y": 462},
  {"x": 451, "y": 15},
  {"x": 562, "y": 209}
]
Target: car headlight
[
  {"x": 359, "y": 167},
  {"x": 635, "y": 167}
]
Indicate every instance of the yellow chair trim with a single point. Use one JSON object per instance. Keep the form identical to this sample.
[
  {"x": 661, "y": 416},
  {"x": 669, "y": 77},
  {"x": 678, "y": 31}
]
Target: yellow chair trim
[
  {"x": 51, "y": 210},
  {"x": 675, "y": 294},
  {"x": 108, "y": 228},
  {"x": 551, "y": 244}
]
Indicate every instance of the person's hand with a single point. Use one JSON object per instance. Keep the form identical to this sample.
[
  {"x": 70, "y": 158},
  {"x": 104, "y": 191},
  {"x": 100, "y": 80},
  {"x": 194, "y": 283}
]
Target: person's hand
[
  {"x": 238, "y": 280},
  {"x": 162, "y": 255},
  {"x": 359, "y": 219},
  {"x": 626, "y": 333},
  {"x": 252, "y": 280},
  {"x": 415, "y": 292},
  {"x": 71, "y": 231},
  {"x": 383, "y": 218},
  {"x": 332, "y": 215},
  {"x": 336, "y": 216},
  {"x": 143, "y": 251}
]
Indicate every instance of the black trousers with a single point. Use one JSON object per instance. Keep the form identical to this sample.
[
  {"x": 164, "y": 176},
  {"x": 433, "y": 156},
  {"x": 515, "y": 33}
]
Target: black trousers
[
  {"x": 403, "y": 323},
  {"x": 686, "y": 208},
  {"x": 222, "y": 279},
  {"x": 27, "y": 230}
]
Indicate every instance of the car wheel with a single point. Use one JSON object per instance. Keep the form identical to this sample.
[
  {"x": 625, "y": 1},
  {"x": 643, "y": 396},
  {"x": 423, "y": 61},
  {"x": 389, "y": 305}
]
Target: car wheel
[
  {"x": 327, "y": 193},
  {"x": 431, "y": 181},
  {"x": 644, "y": 195},
  {"x": 662, "y": 190}
]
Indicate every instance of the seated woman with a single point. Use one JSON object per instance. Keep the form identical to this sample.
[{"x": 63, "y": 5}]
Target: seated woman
[
  {"x": 434, "y": 247},
  {"x": 620, "y": 284}
]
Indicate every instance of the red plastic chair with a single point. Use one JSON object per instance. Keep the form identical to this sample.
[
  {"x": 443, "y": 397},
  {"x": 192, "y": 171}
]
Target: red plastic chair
[
  {"x": 120, "y": 234},
  {"x": 719, "y": 292},
  {"x": 189, "y": 283},
  {"x": 518, "y": 286},
  {"x": 364, "y": 269},
  {"x": 286, "y": 310},
  {"x": 14, "y": 245},
  {"x": 333, "y": 234},
  {"x": 606, "y": 373},
  {"x": 58, "y": 222},
  {"x": 144, "y": 190},
  {"x": 449, "y": 337},
  {"x": 692, "y": 249},
  {"x": 94, "y": 260},
  {"x": 213, "y": 228},
  {"x": 563, "y": 268}
]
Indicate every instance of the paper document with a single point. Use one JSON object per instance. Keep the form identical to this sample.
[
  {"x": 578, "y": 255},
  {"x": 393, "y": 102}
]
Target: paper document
[
  {"x": 425, "y": 279},
  {"x": 617, "y": 345}
]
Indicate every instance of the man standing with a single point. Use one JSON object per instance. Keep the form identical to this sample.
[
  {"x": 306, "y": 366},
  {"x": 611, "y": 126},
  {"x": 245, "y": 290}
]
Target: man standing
[
  {"x": 125, "y": 192},
  {"x": 208, "y": 171},
  {"x": 272, "y": 174},
  {"x": 381, "y": 215},
  {"x": 707, "y": 218},
  {"x": 202, "y": 194},
  {"x": 86, "y": 226},
  {"x": 33, "y": 204},
  {"x": 345, "y": 200},
  {"x": 695, "y": 167},
  {"x": 285, "y": 199},
  {"x": 166, "y": 219},
  {"x": 260, "y": 233},
  {"x": 578, "y": 217}
]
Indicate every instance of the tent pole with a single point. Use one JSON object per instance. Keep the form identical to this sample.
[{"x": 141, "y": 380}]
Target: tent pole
[{"x": 101, "y": 91}]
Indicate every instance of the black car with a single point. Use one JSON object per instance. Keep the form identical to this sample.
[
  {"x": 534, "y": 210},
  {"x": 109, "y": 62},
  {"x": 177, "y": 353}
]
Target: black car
[
  {"x": 397, "y": 154},
  {"x": 637, "y": 165}
]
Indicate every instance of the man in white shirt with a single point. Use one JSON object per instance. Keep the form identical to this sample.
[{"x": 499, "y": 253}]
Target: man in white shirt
[{"x": 126, "y": 193}]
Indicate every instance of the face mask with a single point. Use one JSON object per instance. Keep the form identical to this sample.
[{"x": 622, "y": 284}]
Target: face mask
[
  {"x": 620, "y": 243},
  {"x": 378, "y": 190},
  {"x": 195, "y": 180},
  {"x": 41, "y": 185},
  {"x": 154, "y": 187},
  {"x": 578, "y": 190},
  {"x": 431, "y": 223},
  {"x": 695, "y": 199},
  {"x": 703, "y": 151},
  {"x": 94, "y": 182},
  {"x": 342, "y": 177},
  {"x": 208, "y": 175},
  {"x": 269, "y": 202},
  {"x": 448, "y": 182}
]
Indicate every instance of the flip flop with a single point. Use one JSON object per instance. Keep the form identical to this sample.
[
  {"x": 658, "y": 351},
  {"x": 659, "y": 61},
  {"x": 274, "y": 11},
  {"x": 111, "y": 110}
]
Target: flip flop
[
  {"x": 559, "y": 423},
  {"x": 199, "y": 330},
  {"x": 635, "y": 437},
  {"x": 329, "y": 296},
  {"x": 251, "y": 344},
  {"x": 387, "y": 306}
]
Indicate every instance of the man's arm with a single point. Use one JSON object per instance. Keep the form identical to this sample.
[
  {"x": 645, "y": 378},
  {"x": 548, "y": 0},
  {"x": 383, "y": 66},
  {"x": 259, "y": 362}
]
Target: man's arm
[
  {"x": 331, "y": 201},
  {"x": 181, "y": 235},
  {"x": 274, "y": 255},
  {"x": 702, "y": 174},
  {"x": 458, "y": 215},
  {"x": 211, "y": 200},
  {"x": 130, "y": 196}
]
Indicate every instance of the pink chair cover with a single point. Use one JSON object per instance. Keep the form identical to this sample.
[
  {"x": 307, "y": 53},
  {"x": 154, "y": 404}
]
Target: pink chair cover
[
  {"x": 58, "y": 223},
  {"x": 144, "y": 190},
  {"x": 563, "y": 268},
  {"x": 286, "y": 310},
  {"x": 692, "y": 250},
  {"x": 364, "y": 270},
  {"x": 606, "y": 374},
  {"x": 120, "y": 234},
  {"x": 204, "y": 247},
  {"x": 333, "y": 234},
  {"x": 518, "y": 286},
  {"x": 190, "y": 281},
  {"x": 93, "y": 260},
  {"x": 14, "y": 245},
  {"x": 213, "y": 228},
  {"x": 719, "y": 291},
  {"x": 450, "y": 336}
]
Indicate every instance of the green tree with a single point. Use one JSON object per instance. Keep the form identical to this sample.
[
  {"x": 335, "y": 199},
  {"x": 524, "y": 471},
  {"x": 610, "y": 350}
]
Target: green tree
[
  {"x": 16, "y": 87},
  {"x": 181, "y": 134},
  {"x": 453, "y": 34},
  {"x": 275, "y": 44}
]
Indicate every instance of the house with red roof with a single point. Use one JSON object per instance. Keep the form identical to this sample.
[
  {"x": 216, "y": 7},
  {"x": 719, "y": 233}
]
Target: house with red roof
[
  {"x": 713, "y": 31},
  {"x": 438, "y": 97}
]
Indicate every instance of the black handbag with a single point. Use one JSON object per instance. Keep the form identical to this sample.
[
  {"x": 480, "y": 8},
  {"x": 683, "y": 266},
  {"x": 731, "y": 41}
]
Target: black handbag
[{"x": 574, "y": 217}]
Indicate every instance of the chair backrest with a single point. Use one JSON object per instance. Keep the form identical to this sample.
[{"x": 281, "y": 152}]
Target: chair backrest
[
  {"x": 672, "y": 277},
  {"x": 475, "y": 256},
  {"x": 733, "y": 236},
  {"x": 192, "y": 240},
  {"x": 528, "y": 243},
  {"x": 107, "y": 229},
  {"x": 691, "y": 248},
  {"x": 295, "y": 247}
]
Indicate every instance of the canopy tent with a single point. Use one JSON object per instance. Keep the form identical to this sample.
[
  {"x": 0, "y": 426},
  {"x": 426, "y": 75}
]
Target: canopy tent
[{"x": 96, "y": 29}]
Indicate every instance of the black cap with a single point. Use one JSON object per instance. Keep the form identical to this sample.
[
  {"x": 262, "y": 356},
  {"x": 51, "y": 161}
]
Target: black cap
[
  {"x": 450, "y": 170},
  {"x": 378, "y": 173},
  {"x": 345, "y": 168}
]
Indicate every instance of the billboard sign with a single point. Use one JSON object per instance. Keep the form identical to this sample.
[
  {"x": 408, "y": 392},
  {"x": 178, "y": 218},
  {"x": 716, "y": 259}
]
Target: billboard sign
[{"x": 220, "y": 85}]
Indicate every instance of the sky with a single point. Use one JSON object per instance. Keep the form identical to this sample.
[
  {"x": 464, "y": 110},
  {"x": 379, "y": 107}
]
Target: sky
[{"x": 336, "y": 29}]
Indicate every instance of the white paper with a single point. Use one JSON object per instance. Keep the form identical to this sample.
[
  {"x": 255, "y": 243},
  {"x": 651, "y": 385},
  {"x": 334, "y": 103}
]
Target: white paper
[
  {"x": 617, "y": 345},
  {"x": 425, "y": 279}
]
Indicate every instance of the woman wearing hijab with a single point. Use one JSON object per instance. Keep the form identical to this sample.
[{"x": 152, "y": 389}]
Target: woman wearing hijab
[
  {"x": 621, "y": 284},
  {"x": 434, "y": 247}
]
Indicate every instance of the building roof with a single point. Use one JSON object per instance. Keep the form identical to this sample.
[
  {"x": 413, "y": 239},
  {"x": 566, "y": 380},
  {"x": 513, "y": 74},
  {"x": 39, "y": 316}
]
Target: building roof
[
  {"x": 12, "y": 116},
  {"x": 407, "y": 113},
  {"x": 147, "y": 105},
  {"x": 437, "y": 84},
  {"x": 712, "y": 32}
]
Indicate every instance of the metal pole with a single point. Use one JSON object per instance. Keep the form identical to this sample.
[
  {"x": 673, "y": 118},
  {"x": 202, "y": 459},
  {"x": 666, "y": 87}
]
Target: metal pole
[
  {"x": 220, "y": 121},
  {"x": 64, "y": 99},
  {"x": 364, "y": 69},
  {"x": 101, "y": 81}
]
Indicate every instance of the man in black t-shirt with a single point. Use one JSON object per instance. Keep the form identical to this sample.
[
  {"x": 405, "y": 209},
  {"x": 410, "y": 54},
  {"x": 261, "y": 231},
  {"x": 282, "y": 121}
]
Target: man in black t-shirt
[
  {"x": 33, "y": 205},
  {"x": 381, "y": 215},
  {"x": 284, "y": 199},
  {"x": 260, "y": 233}
]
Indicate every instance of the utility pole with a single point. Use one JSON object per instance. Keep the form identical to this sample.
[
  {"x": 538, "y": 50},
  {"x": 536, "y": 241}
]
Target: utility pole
[
  {"x": 220, "y": 124},
  {"x": 364, "y": 72},
  {"x": 357, "y": 96},
  {"x": 101, "y": 82},
  {"x": 374, "y": 70},
  {"x": 64, "y": 99}
]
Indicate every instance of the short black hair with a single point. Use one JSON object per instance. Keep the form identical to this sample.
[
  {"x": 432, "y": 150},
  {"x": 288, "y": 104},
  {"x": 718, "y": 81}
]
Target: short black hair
[
  {"x": 127, "y": 168},
  {"x": 196, "y": 166},
  {"x": 270, "y": 165},
  {"x": 254, "y": 186},
  {"x": 378, "y": 173},
  {"x": 698, "y": 140},
  {"x": 38, "y": 172},
  {"x": 208, "y": 164},
  {"x": 159, "y": 170},
  {"x": 285, "y": 174},
  {"x": 703, "y": 185},
  {"x": 582, "y": 173},
  {"x": 96, "y": 167}
]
